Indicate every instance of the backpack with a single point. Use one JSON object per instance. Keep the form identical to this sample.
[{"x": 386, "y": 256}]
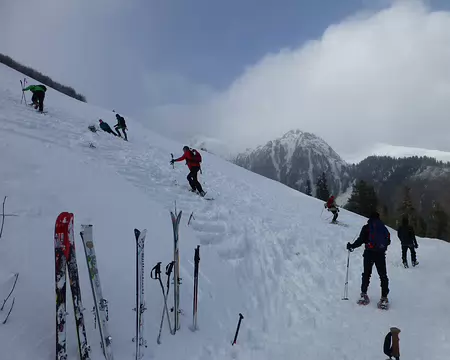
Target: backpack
[
  {"x": 387, "y": 348},
  {"x": 378, "y": 235},
  {"x": 195, "y": 156}
]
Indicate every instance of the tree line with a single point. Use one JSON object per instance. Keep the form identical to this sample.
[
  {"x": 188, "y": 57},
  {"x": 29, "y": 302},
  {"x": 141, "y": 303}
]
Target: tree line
[
  {"x": 364, "y": 201},
  {"x": 43, "y": 79}
]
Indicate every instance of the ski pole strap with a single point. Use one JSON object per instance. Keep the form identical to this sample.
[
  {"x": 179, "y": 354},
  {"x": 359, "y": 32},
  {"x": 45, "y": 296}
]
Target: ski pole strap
[
  {"x": 156, "y": 271},
  {"x": 169, "y": 268}
]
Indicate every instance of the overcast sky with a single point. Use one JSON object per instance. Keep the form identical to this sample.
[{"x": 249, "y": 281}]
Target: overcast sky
[{"x": 356, "y": 72}]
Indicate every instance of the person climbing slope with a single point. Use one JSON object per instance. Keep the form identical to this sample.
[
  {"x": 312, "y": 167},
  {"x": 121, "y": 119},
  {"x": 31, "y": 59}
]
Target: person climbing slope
[
  {"x": 193, "y": 160},
  {"x": 38, "y": 95},
  {"x": 106, "y": 128},
  {"x": 121, "y": 125},
  {"x": 408, "y": 239},
  {"x": 330, "y": 205},
  {"x": 376, "y": 238}
]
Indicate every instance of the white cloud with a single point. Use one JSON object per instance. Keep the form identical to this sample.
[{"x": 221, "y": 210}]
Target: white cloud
[{"x": 375, "y": 77}]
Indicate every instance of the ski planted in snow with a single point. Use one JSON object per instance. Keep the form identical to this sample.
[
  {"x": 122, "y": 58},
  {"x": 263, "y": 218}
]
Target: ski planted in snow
[
  {"x": 101, "y": 304},
  {"x": 65, "y": 257},
  {"x": 196, "y": 263},
  {"x": 176, "y": 218},
  {"x": 140, "y": 298}
]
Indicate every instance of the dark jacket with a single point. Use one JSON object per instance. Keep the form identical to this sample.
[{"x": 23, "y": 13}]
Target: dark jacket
[
  {"x": 190, "y": 162},
  {"x": 105, "y": 127},
  {"x": 406, "y": 234},
  {"x": 120, "y": 122},
  {"x": 365, "y": 239}
]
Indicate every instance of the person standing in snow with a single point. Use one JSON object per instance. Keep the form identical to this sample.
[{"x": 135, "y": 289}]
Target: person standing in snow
[
  {"x": 106, "y": 128},
  {"x": 330, "y": 205},
  {"x": 38, "y": 96},
  {"x": 121, "y": 125},
  {"x": 193, "y": 160},
  {"x": 376, "y": 238},
  {"x": 408, "y": 239}
]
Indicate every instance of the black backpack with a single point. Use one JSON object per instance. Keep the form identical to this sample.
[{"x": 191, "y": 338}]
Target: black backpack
[{"x": 387, "y": 348}]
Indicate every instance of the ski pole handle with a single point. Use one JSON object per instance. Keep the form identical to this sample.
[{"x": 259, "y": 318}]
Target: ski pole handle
[
  {"x": 169, "y": 268},
  {"x": 156, "y": 271}
]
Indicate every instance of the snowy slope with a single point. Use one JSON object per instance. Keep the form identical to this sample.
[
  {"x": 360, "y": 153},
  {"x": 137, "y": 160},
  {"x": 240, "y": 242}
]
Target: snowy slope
[
  {"x": 398, "y": 152},
  {"x": 266, "y": 250}
]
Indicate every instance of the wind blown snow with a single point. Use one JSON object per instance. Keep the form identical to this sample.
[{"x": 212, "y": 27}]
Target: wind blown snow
[{"x": 266, "y": 250}]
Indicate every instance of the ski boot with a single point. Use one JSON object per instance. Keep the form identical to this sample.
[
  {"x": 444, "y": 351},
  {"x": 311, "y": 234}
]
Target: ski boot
[
  {"x": 383, "y": 303},
  {"x": 202, "y": 193},
  {"x": 415, "y": 263},
  {"x": 364, "y": 299},
  {"x": 405, "y": 264}
]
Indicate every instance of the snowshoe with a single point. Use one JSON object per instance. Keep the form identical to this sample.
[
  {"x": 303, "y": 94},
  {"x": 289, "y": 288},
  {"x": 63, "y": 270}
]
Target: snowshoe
[
  {"x": 405, "y": 264},
  {"x": 415, "y": 263},
  {"x": 363, "y": 300},
  {"x": 383, "y": 304}
]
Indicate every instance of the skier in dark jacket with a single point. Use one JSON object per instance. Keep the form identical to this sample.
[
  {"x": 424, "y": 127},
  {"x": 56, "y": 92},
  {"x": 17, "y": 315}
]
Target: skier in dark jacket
[
  {"x": 121, "y": 125},
  {"x": 408, "y": 239},
  {"x": 330, "y": 205},
  {"x": 193, "y": 160},
  {"x": 376, "y": 238},
  {"x": 38, "y": 96},
  {"x": 106, "y": 128}
]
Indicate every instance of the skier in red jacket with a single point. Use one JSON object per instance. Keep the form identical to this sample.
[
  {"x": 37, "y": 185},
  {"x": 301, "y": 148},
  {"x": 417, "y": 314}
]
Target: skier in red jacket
[
  {"x": 331, "y": 206},
  {"x": 193, "y": 160}
]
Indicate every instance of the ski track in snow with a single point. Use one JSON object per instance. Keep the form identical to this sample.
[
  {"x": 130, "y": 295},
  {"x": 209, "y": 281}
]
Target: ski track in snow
[{"x": 265, "y": 250}]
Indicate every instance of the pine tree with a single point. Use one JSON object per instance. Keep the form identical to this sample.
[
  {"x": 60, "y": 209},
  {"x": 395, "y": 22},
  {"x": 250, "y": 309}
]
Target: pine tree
[
  {"x": 438, "y": 222},
  {"x": 308, "y": 189},
  {"x": 364, "y": 200},
  {"x": 322, "y": 192},
  {"x": 406, "y": 208}
]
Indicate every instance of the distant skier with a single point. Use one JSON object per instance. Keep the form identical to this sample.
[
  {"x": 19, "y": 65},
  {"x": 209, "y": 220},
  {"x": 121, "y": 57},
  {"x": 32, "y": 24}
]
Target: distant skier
[
  {"x": 408, "y": 239},
  {"x": 106, "y": 128},
  {"x": 193, "y": 160},
  {"x": 376, "y": 238},
  {"x": 38, "y": 96},
  {"x": 121, "y": 125},
  {"x": 330, "y": 205}
]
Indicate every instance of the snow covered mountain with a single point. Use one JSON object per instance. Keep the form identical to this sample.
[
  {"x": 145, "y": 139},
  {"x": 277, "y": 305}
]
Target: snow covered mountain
[
  {"x": 265, "y": 250},
  {"x": 296, "y": 158}
]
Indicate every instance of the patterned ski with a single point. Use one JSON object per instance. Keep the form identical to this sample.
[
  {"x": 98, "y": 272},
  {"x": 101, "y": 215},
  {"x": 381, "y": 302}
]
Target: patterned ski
[
  {"x": 61, "y": 249},
  {"x": 140, "y": 296},
  {"x": 65, "y": 256},
  {"x": 176, "y": 273},
  {"x": 101, "y": 304}
]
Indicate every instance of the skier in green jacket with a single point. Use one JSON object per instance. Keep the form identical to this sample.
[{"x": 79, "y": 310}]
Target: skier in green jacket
[{"x": 38, "y": 95}]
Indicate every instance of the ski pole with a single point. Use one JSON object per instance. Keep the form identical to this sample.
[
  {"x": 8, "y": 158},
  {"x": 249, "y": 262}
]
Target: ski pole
[
  {"x": 346, "y": 278},
  {"x": 169, "y": 268},
  {"x": 156, "y": 275},
  {"x": 173, "y": 165},
  {"x": 237, "y": 330},
  {"x": 194, "y": 311}
]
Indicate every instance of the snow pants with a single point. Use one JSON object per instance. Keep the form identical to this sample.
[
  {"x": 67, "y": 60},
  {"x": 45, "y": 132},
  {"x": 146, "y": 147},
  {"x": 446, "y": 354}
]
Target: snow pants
[
  {"x": 405, "y": 251},
  {"x": 335, "y": 215},
  {"x": 192, "y": 178},
  {"x": 38, "y": 98},
  {"x": 379, "y": 259},
  {"x": 118, "y": 127}
]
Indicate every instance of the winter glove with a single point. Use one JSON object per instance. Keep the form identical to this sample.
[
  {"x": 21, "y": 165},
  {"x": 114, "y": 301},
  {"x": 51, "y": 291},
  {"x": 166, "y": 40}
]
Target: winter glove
[
  {"x": 172, "y": 161},
  {"x": 416, "y": 245},
  {"x": 337, "y": 209},
  {"x": 349, "y": 247},
  {"x": 325, "y": 205}
]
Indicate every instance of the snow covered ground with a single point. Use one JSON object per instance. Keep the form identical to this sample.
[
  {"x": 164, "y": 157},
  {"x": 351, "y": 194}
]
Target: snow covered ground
[{"x": 266, "y": 250}]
